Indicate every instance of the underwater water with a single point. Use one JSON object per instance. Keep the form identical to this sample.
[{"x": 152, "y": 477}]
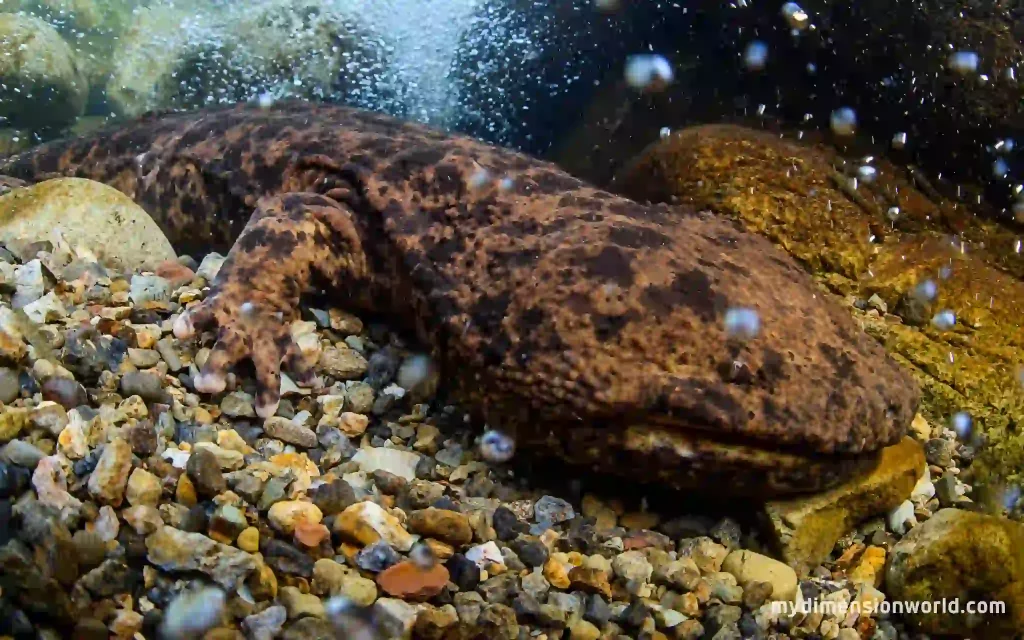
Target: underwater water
[{"x": 839, "y": 365}]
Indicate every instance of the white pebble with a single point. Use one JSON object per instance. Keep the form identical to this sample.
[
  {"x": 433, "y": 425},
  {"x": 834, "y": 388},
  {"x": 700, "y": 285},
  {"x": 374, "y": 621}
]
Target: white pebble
[
  {"x": 648, "y": 72},
  {"x": 902, "y": 517}
]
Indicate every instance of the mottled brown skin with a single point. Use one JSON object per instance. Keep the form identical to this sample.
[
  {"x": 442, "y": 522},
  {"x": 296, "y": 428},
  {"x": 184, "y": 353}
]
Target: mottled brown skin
[{"x": 588, "y": 324}]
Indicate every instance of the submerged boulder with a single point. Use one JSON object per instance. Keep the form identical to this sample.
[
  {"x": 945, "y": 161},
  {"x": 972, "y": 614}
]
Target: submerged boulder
[
  {"x": 88, "y": 214},
  {"x": 41, "y": 85},
  {"x": 969, "y": 557},
  {"x": 193, "y": 54}
]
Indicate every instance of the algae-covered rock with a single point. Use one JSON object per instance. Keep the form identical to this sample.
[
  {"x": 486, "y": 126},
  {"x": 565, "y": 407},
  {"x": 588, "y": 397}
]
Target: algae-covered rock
[
  {"x": 805, "y": 529},
  {"x": 965, "y": 556},
  {"x": 89, "y": 214},
  {"x": 191, "y": 54},
  {"x": 40, "y": 81}
]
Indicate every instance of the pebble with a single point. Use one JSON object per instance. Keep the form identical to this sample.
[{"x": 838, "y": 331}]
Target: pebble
[
  {"x": 408, "y": 581},
  {"x": 249, "y": 540},
  {"x": 145, "y": 289},
  {"x": 21, "y": 453},
  {"x": 366, "y": 522},
  {"x": 946, "y": 490},
  {"x": 449, "y": 526},
  {"x": 144, "y": 488},
  {"x": 377, "y": 557},
  {"x": 67, "y": 393},
  {"x": 267, "y": 624},
  {"x": 754, "y": 568},
  {"x": 145, "y": 384},
  {"x": 286, "y": 514},
  {"x": 238, "y": 404},
  {"x": 205, "y": 473},
  {"x": 464, "y": 572},
  {"x": 301, "y": 605},
  {"x": 342, "y": 364},
  {"x": 290, "y": 432},
  {"x": 108, "y": 480},
  {"x": 10, "y": 385},
  {"x": 395, "y": 461}
]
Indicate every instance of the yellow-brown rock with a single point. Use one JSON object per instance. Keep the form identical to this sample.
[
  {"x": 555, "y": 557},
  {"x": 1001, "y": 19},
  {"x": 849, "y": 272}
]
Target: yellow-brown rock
[
  {"x": 806, "y": 528},
  {"x": 967, "y": 556}
]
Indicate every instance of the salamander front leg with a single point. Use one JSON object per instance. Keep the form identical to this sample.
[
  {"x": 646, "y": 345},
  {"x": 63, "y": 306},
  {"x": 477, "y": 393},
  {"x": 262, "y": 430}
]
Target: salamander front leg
[{"x": 255, "y": 296}]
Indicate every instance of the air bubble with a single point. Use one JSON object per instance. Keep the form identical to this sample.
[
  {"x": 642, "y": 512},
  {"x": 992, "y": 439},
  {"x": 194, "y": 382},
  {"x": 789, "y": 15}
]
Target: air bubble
[
  {"x": 893, "y": 213},
  {"x": 844, "y": 121},
  {"x": 795, "y": 16},
  {"x": 648, "y": 72},
  {"x": 1011, "y": 496},
  {"x": 899, "y": 140},
  {"x": 665, "y": 132},
  {"x": 742, "y": 323},
  {"x": 479, "y": 179},
  {"x": 607, "y": 6},
  {"x": 497, "y": 446},
  {"x": 867, "y": 173},
  {"x": 423, "y": 556},
  {"x": 964, "y": 62},
  {"x": 1000, "y": 169},
  {"x": 944, "y": 320},
  {"x": 962, "y": 424},
  {"x": 755, "y": 56}
]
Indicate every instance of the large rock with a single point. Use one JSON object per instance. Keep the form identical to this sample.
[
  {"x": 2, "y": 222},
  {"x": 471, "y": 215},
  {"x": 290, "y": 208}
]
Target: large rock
[
  {"x": 40, "y": 83},
  {"x": 191, "y": 53},
  {"x": 965, "y": 556},
  {"x": 88, "y": 214},
  {"x": 806, "y": 528}
]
